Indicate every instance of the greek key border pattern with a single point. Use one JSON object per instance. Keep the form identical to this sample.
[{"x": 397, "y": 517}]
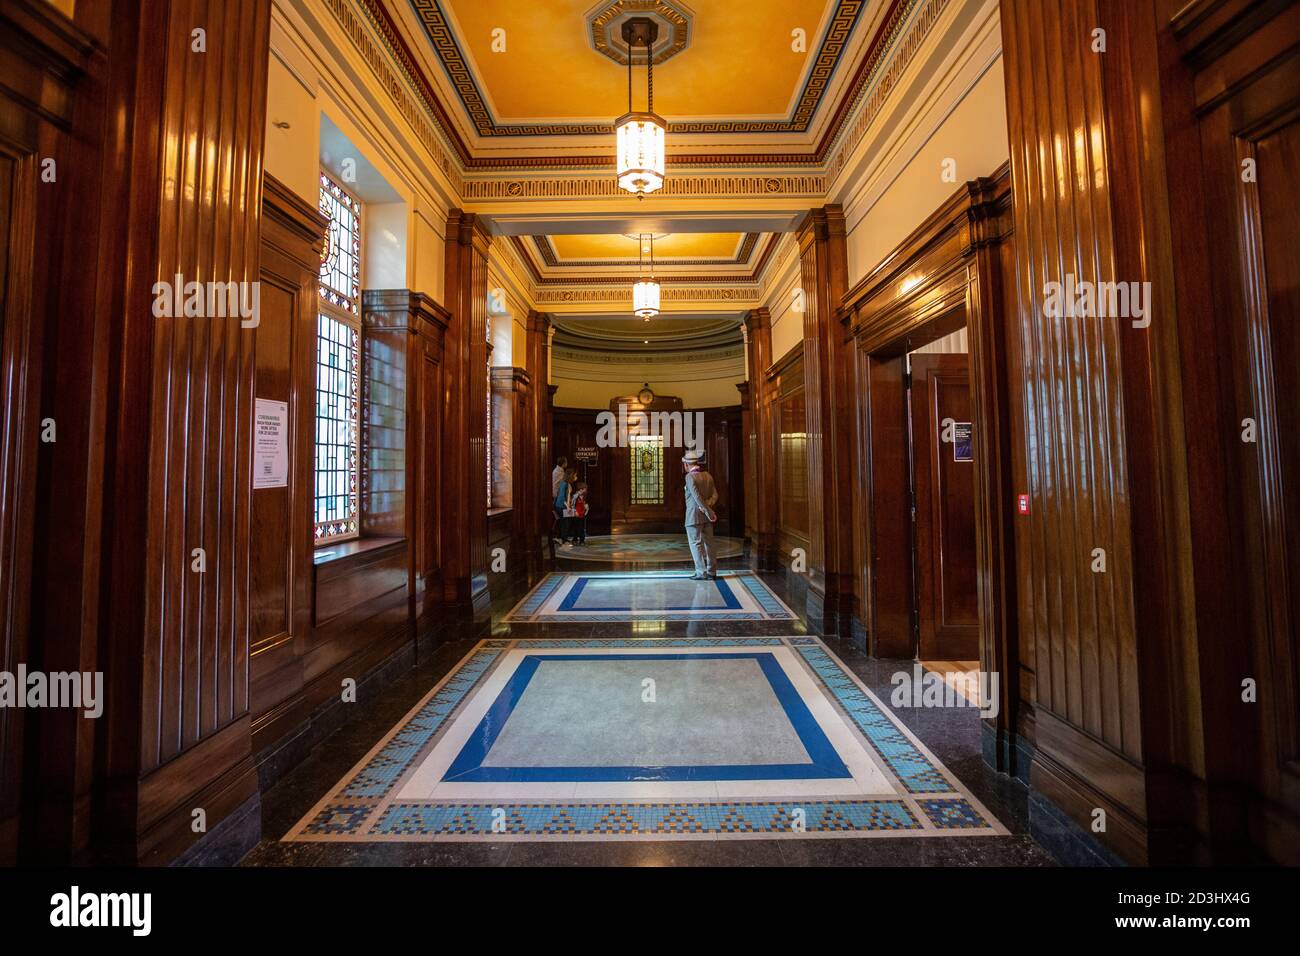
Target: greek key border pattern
[{"x": 829, "y": 53}]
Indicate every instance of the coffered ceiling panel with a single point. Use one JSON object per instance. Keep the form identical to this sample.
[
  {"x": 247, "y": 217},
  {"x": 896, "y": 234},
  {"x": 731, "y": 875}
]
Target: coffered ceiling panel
[
  {"x": 523, "y": 69},
  {"x": 737, "y": 62},
  {"x": 711, "y": 247}
]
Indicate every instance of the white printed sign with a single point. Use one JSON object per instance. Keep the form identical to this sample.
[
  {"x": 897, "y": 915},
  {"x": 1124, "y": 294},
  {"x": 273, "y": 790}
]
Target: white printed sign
[{"x": 271, "y": 444}]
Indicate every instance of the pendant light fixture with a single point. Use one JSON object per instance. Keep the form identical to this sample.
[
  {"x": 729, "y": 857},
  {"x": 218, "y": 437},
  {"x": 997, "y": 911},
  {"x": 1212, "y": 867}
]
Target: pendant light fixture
[
  {"x": 645, "y": 293},
  {"x": 640, "y": 136}
]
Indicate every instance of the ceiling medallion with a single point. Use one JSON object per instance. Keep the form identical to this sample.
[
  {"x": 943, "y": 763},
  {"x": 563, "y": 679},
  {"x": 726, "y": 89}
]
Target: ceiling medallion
[
  {"x": 640, "y": 135},
  {"x": 645, "y": 292},
  {"x": 605, "y": 27}
]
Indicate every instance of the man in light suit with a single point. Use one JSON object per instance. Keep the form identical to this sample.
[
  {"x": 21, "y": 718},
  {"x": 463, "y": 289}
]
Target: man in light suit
[{"x": 701, "y": 496}]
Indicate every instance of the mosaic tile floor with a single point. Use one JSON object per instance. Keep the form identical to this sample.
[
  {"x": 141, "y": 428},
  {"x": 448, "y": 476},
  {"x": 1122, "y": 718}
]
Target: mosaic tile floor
[
  {"x": 647, "y": 547},
  {"x": 563, "y": 739},
  {"x": 649, "y": 595}
]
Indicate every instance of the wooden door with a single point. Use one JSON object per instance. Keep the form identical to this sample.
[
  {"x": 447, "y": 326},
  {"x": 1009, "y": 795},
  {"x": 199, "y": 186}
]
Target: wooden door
[
  {"x": 1246, "y": 501},
  {"x": 943, "y": 479}
]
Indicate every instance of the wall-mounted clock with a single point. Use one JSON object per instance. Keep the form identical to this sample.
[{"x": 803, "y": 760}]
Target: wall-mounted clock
[{"x": 645, "y": 396}]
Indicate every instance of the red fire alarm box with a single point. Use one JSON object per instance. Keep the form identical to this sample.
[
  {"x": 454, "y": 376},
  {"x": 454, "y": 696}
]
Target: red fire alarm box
[{"x": 1022, "y": 504}]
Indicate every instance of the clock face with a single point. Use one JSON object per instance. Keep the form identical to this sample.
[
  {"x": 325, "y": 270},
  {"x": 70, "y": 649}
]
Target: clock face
[{"x": 645, "y": 396}]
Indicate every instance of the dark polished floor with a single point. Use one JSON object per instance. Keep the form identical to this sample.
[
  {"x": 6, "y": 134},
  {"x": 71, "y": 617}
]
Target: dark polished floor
[{"x": 953, "y": 734}]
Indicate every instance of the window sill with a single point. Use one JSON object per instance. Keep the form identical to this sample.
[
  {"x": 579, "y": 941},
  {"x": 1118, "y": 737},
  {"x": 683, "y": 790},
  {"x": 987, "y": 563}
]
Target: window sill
[{"x": 343, "y": 550}]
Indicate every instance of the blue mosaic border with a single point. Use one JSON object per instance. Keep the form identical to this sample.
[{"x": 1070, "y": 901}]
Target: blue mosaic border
[
  {"x": 379, "y": 774},
  {"x": 350, "y": 811},
  {"x": 823, "y": 762},
  {"x": 529, "y": 609},
  {"x": 646, "y": 642},
  {"x": 770, "y": 603},
  {"x": 636, "y": 819},
  {"x": 913, "y": 769}
]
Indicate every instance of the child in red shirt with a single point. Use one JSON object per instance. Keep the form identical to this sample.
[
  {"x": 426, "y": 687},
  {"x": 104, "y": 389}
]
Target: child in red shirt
[{"x": 580, "y": 512}]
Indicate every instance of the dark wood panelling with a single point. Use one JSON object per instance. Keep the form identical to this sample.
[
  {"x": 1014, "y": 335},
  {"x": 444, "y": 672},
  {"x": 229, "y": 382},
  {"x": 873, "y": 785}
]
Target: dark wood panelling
[
  {"x": 1129, "y": 434},
  {"x": 538, "y": 478},
  {"x": 514, "y": 460},
  {"x": 944, "y": 528},
  {"x": 1230, "y": 73},
  {"x": 760, "y": 450},
  {"x": 405, "y": 331},
  {"x": 831, "y": 428},
  {"x": 51, "y": 96},
  {"x": 888, "y": 588},
  {"x": 186, "y": 168},
  {"x": 610, "y": 479},
  {"x": 574, "y": 428},
  {"x": 948, "y": 273},
  {"x": 293, "y": 233},
  {"x": 786, "y": 444},
  {"x": 464, "y": 492},
  {"x": 669, "y": 515},
  {"x": 1082, "y": 623}
]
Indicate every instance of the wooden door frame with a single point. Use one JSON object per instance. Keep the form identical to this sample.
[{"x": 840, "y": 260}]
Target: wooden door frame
[
  {"x": 949, "y": 272},
  {"x": 929, "y": 532}
]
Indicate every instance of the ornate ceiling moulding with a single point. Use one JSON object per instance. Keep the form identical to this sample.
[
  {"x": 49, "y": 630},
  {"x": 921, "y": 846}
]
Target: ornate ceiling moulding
[
  {"x": 623, "y": 294},
  {"x": 546, "y": 252},
  {"x": 606, "y": 187},
  {"x": 446, "y": 46},
  {"x": 885, "y": 52},
  {"x": 605, "y": 23},
  {"x": 523, "y": 254}
]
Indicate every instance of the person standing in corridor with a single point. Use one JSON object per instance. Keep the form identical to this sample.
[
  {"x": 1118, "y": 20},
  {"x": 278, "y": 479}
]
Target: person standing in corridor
[{"x": 701, "y": 496}]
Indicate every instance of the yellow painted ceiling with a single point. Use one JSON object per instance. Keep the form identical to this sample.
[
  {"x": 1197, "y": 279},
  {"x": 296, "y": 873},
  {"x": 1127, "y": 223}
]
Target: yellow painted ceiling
[
  {"x": 681, "y": 245},
  {"x": 739, "y": 62}
]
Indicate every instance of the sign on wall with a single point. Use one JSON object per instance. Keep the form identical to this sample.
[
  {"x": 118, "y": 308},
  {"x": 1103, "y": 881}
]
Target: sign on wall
[{"x": 271, "y": 444}]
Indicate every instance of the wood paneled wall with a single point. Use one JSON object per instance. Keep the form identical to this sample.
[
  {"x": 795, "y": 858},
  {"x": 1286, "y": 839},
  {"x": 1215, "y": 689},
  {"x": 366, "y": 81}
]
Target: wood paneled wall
[
  {"x": 571, "y": 429},
  {"x": 831, "y": 429},
  {"x": 627, "y": 517},
  {"x": 52, "y": 97},
  {"x": 1128, "y": 166},
  {"x": 513, "y": 397},
  {"x": 1230, "y": 88},
  {"x": 539, "y": 351},
  {"x": 610, "y": 478},
  {"x": 465, "y": 556},
  {"x": 786, "y": 447},
  {"x": 761, "y": 445},
  {"x": 293, "y": 237},
  {"x": 182, "y": 171},
  {"x": 950, "y": 273},
  {"x": 1076, "y": 389}
]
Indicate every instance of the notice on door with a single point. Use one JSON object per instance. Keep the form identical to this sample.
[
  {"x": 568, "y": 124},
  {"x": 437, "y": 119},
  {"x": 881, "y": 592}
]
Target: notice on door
[
  {"x": 961, "y": 442},
  {"x": 271, "y": 444}
]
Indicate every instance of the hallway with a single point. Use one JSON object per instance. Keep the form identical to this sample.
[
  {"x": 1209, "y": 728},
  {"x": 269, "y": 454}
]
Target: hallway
[
  {"x": 673, "y": 811},
  {"x": 646, "y": 432}
]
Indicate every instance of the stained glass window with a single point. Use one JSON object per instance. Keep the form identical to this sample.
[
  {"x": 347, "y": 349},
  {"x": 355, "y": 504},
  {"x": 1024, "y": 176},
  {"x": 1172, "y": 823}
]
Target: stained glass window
[
  {"x": 340, "y": 270},
  {"x": 338, "y": 369},
  {"x": 647, "y": 453}
]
